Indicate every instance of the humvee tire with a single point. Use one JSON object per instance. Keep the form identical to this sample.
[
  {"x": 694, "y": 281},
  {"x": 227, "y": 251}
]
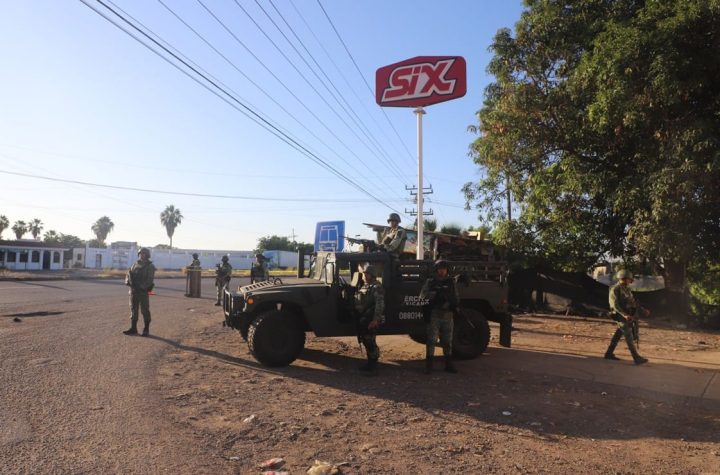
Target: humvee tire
[
  {"x": 276, "y": 338},
  {"x": 471, "y": 334}
]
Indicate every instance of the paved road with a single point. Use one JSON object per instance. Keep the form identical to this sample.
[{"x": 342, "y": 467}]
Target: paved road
[{"x": 79, "y": 396}]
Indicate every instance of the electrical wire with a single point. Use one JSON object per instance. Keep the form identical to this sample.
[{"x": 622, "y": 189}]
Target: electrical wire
[{"x": 240, "y": 107}]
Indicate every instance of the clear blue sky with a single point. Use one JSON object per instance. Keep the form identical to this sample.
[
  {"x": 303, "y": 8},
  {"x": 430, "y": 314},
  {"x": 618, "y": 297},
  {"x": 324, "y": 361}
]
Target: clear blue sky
[{"x": 81, "y": 100}]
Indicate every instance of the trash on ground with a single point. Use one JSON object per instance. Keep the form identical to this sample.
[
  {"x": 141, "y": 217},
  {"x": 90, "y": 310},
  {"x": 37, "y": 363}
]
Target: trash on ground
[
  {"x": 273, "y": 463},
  {"x": 507, "y": 413},
  {"x": 325, "y": 468},
  {"x": 250, "y": 418}
]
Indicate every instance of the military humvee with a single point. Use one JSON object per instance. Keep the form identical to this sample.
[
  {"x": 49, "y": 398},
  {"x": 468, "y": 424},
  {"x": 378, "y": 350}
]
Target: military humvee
[{"x": 274, "y": 318}]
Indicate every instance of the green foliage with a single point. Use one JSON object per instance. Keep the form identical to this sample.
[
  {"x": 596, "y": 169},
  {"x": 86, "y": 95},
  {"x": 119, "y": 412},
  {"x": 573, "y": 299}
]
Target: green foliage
[
  {"x": 171, "y": 217},
  {"x": 51, "y": 237},
  {"x": 19, "y": 228},
  {"x": 102, "y": 227},
  {"x": 453, "y": 229},
  {"x": 96, "y": 243},
  {"x": 280, "y": 243},
  {"x": 603, "y": 124},
  {"x": 4, "y": 224},
  {"x": 35, "y": 227}
]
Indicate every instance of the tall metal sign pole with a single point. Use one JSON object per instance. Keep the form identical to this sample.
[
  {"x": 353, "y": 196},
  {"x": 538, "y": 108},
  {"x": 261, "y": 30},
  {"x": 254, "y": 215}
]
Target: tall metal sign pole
[
  {"x": 420, "y": 253},
  {"x": 419, "y": 82}
]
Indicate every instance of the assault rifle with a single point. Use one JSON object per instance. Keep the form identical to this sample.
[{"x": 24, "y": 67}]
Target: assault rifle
[{"x": 368, "y": 244}]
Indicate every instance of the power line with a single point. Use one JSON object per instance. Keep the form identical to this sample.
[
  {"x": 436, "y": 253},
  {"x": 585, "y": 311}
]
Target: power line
[
  {"x": 307, "y": 81},
  {"x": 268, "y": 95},
  {"x": 177, "y": 193},
  {"x": 240, "y": 107},
  {"x": 339, "y": 71},
  {"x": 348, "y": 109},
  {"x": 357, "y": 68}
]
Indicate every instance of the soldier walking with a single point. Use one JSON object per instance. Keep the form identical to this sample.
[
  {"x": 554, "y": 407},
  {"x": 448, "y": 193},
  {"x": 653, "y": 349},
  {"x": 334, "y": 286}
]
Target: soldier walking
[
  {"x": 223, "y": 273},
  {"x": 370, "y": 313},
  {"x": 140, "y": 278},
  {"x": 441, "y": 293},
  {"x": 625, "y": 310},
  {"x": 393, "y": 239}
]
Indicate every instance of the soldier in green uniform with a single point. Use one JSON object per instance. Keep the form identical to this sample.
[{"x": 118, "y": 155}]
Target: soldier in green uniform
[
  {"x": 370, "y": 313},
  {"x": 393, "y": 239},
  {"x": 223, "y": 273},
  {"x": 624, "y": 309},
  {"x": 441, "y": 293},
  {"x": 140, "y": 278},
  {"x": 195, "y": 264},
  {"x": 260, "y": 272}
]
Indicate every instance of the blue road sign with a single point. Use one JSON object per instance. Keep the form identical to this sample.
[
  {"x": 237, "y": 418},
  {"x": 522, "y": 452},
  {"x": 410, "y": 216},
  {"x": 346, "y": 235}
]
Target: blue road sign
[{"x": 330, "y": 236}]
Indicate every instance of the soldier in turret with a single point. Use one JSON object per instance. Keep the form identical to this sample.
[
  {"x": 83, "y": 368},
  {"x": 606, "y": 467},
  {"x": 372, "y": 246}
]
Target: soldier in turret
[{"x": 393, "y": 239}]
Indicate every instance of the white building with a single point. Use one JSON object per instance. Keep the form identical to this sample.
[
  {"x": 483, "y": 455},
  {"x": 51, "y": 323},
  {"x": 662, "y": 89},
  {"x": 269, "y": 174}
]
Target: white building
[{"x": 31, "y": 255}]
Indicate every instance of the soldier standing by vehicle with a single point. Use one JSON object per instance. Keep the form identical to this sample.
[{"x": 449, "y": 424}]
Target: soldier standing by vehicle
[
  {"x": 370, "y": 313},
  {"x": 625, "y": 311},
  {"x": 223, "y": 273},
  {"x": 140, "y": 278},
  {"x": 393, "y": 239},
  {"x": 441, "y": 293},
  {"x": 259, "y": 272}
]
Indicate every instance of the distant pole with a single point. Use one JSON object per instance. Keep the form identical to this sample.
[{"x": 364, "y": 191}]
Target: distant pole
[{"x": 419, "y": 112}]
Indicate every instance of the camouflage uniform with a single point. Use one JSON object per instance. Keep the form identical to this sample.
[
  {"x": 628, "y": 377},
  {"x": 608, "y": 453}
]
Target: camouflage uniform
[
  {"x": 223, "y": 273},
  {"x": 369, "y": 306},
  {"x": 393, "y": 238},
  {"x": 195, "y": 264},
  {"x": 443, "y": 299},
  {"x": 260, "y": 269},
  {"x": 622, "y": 303},
  {"x": 140, "y": 278}
]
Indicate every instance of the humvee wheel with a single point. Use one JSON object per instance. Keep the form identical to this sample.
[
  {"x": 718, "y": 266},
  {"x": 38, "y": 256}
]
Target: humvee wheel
[
  {"x": 471, "y": 334},
  {"x": 276, "y": 338}
]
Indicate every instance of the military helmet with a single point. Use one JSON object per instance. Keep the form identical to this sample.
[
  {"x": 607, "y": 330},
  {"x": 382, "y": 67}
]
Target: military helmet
[
  {"x": 224, "y": 258},
  {"x": 394, "y": 217},
  {"x": 259, "y": 256},
  {"x": 195, "y": 255},
  {"x": 144, "y": 250},
  {"x": 370, "y": 269},
  {"x": 441, "y": 264},
  {"x": 624, "y": 274}
]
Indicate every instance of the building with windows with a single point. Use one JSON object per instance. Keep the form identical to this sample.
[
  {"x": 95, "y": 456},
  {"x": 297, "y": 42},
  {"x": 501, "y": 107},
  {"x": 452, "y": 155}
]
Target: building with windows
[{"x": 31, "y": 255}]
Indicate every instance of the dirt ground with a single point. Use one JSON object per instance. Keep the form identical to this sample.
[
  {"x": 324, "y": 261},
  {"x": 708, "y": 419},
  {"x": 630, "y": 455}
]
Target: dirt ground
[
  {"x": 78, "y": 396},
  {"x": 489, "y": 418}
]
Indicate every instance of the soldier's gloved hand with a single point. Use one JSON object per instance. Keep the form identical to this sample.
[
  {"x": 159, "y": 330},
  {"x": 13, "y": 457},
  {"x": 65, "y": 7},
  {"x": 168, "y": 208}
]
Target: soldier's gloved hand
[{"x": 152, "y": 286}]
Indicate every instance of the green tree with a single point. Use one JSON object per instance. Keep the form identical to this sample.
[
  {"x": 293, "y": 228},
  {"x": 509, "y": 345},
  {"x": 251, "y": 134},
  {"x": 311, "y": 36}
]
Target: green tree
[
  {"x": 602, "y": 123},
  {"x": 101, "y": 228},
  {"x": 51, "y": 237},
  {"x": 96, "y": 243},
  {"x": 280, "y": 243},
  {"x": 35, "y": 227},
  {"x": 451, "y": 229},
  {"x": 19, "y": 228},
  {"x": 4, "y": 224},
  {"x": 171, "y": 217}
]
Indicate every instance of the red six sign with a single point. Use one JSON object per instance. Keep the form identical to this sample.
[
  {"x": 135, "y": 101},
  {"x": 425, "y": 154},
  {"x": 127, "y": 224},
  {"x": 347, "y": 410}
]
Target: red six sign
[{"x": 421, "y": 81}]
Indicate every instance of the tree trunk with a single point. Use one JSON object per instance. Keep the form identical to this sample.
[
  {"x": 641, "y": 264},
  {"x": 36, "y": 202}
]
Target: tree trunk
[{"x": 674, "y": 274}]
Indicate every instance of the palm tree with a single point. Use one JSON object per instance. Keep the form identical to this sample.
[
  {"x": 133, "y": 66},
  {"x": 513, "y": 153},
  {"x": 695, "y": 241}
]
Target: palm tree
[
  {"x": 19, "y": 228},
  {"x": 35, "y": 227},
  {"x": 51, "y": 237},
  {"x": 102, "y": 227},
  {"x": 4, "y": 224},
  {"x": 170, "y": 218}
]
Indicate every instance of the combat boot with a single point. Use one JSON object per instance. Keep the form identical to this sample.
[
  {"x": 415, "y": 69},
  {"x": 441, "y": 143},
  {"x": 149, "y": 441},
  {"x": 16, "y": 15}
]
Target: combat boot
[
  {"x": 610, "y": 353},
  {"x": 449, "y": 365},
  {"x": 370, "y": 367},
  {"x": 634, "y": 352},
  {"x": 428, "y": 364},
  {"x": 132, "y": 330},
  {"x": 146, "y": 330}
]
